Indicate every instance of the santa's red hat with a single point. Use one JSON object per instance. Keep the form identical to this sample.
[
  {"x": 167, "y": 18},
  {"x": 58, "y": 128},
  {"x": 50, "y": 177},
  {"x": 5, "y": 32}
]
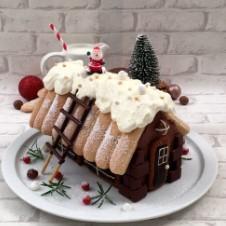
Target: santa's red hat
[{"x": 96, "y": 49}]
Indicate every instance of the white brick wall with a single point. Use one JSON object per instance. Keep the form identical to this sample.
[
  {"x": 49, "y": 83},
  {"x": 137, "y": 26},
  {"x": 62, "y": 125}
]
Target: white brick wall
[
  {"x": 13, "y": 4},
  {"x": 188, "y": 35},
  {"x": 208, "y": 64},
  {"x": 66, "y": 4},
  {"x": 197, "y": 43},
  {"x": 131, "y": 4},
  {"x": 186, "y": 4},
  {"x": 170, "y": 21},
  {"x": 30, "y": 20},
  {"x": 16, "y": 43}
]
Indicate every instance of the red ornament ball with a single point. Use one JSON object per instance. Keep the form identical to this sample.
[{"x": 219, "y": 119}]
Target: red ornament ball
[
  {"x": 86, "y": 200},
  {"x": 29, "y": 87},
  {"x": 174, "y": 91}
]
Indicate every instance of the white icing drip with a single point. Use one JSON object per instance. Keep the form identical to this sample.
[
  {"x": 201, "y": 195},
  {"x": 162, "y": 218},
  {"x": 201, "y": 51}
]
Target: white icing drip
[{"x": 130, "y": 105}]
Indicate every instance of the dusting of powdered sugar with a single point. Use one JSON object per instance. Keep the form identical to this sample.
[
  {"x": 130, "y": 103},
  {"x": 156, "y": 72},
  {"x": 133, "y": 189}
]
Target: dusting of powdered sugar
[
  {"x": 53, "y": 109},
  {"x": 97, "y": 131},
  {"x": 67, "y": 104},
  {"x": 123, "y": 144},
  {"x": 46, "y": 103},
  {"x": 104, "y": 150}
]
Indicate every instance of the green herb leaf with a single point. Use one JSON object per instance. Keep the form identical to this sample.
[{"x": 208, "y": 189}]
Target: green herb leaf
[
  {"x": 101, "y": 203},
  {"x": 35, "y": 152},
  {"x": 102, "y": 196},
  {"x": 109, "y": 200},
  {"x": 100, "y": 187},
  {"x": 56, "y": 188}
]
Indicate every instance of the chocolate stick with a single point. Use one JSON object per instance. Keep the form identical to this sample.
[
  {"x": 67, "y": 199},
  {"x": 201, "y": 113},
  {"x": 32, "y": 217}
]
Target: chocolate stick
[
  {"x": 57, "y": 168},
  {"x": 46, "y": 163}
]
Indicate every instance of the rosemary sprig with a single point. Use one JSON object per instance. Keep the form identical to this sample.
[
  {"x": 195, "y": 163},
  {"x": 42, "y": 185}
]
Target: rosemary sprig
[
  {"x": 186, "y": 158},
  {"x": 102, "y": 196},
  {"x": 35, "y": 152},
  {"x": 57, "y": 187}
]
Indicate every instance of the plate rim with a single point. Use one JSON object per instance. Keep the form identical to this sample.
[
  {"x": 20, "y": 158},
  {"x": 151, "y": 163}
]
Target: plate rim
[{"x": 8, "y": 167}]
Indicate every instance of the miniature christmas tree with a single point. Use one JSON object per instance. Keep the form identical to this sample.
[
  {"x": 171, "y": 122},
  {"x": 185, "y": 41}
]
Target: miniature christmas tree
[{"x": 144, "y": 63}]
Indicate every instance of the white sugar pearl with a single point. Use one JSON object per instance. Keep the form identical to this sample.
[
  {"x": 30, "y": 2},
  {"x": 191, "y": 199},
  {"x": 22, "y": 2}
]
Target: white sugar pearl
[
  {"x": 142, "y": 89},
  {"x": 122, "y": 74},
  {"x": 34, "y": 186},
  {"x": 126, "y": 207}
]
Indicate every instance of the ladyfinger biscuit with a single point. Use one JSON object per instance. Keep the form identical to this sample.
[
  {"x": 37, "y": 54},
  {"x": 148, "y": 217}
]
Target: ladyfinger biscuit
[
  {"x": 41, "y": 92},
  {"x": 107, "y": 146},
  {"x": 53, "y": 113},
  {"x": 44, "y": 108},
  {"x": 77, "y": 113},
  {"x": 181, "y": 125},
  {"x": 29, "y": 106},
  {"x": 96, "y": 136},
  {"x": 124, "y": 151},
  {"x": 37, "y": 108},
  {"x": 60, "y": 120},
  {"x": 85, "y": 130}
]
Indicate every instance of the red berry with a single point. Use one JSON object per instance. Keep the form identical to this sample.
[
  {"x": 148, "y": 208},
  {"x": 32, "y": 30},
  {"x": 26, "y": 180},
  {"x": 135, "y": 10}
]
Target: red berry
[
  {"x": 86, "y": 200},
  {"x": 184, "y": 150},
  {"x": 29, "y": 86},
  {"x": 85, "y": 186},
  {"x": 32, "y": 174},
  {"x": 26, "y": 159},
  {"x": 58, "y": 175}
]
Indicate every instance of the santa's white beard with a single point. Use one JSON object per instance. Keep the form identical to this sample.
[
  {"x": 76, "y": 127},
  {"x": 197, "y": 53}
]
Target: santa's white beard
[{"x": 97, "y": 57}]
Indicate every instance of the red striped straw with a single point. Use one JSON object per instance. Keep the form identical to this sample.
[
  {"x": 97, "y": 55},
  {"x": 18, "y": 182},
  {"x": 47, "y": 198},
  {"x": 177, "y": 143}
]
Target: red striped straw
[{"x": 59, "y": 37}]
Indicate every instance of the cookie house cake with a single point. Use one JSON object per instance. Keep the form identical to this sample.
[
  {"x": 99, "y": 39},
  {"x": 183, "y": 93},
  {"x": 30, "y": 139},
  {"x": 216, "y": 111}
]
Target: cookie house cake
[{"x": 125, "y": 131}]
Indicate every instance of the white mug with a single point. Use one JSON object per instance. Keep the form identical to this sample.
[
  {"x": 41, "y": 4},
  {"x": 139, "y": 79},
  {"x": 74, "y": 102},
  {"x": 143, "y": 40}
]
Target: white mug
[{"x": 74, "y": 52}]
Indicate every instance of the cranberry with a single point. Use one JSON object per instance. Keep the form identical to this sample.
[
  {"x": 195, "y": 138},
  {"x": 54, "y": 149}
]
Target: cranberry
[
  {"x": 26, "y": 159},
  {"x": 86, "y": 200},
  {"x": 58, "y": 175},
  {"x": 85, "y": 186},
  {"x": 32, "y": 174},
  {"x": 184, "y": 151}
]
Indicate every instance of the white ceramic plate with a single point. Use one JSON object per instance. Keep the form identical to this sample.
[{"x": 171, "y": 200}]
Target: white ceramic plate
[{"x": 197, "y": 177}]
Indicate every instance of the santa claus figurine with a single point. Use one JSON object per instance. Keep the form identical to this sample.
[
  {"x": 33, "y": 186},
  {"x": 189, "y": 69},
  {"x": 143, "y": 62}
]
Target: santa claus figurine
[{"x": 96, "y": 61}]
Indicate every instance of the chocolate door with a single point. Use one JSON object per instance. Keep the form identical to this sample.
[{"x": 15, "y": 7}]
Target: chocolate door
[{"x": 159, "y": 162}]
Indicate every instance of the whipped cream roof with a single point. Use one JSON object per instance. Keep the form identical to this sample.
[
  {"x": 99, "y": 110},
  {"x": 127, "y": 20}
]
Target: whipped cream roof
[
  {"x": 131, "y": 104},
  {"x": 60, "y": 77}
]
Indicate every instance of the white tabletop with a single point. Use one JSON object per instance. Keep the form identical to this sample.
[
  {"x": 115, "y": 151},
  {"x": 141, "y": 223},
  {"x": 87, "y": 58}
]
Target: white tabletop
[{"x": 206, "y": 115}]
